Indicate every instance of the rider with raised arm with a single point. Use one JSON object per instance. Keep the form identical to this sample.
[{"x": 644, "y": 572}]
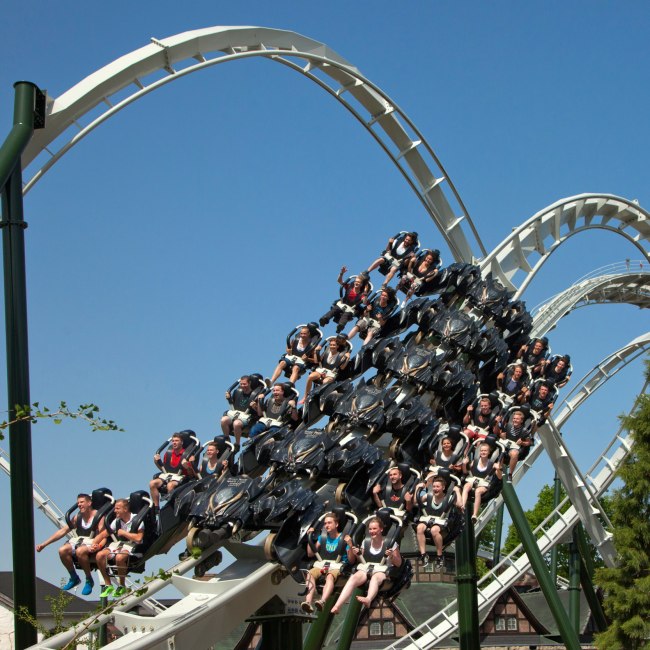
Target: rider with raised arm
[
  {"x": 354, "y": 291},
  {"x": 277, "y": 409},
  {"x": 88, "y": 531}
]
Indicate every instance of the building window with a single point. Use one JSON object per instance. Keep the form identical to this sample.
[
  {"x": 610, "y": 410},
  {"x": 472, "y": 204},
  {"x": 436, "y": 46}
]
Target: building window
[
  {"x": 375, "y": 629},
  {"x": 500, "y": 624},
  {"x": 388, "y": 628},
  {"x": 512, "y": 624}
]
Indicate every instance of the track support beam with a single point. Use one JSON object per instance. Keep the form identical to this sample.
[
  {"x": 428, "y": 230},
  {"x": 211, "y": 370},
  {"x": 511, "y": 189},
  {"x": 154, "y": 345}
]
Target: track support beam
[
  {"x": 568, "y": 634},
  {"x": 466, "y": 579}
]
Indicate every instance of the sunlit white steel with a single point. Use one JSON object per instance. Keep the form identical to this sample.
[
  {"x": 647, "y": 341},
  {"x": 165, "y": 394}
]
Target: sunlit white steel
[
  {"x": 520, "y": 255},
  {"x": 112, "y": 88},
  {"x": 632, "y": 288}
]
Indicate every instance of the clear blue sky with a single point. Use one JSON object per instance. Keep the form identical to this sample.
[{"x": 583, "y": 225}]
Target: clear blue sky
[{"x": 174, "y": 248}]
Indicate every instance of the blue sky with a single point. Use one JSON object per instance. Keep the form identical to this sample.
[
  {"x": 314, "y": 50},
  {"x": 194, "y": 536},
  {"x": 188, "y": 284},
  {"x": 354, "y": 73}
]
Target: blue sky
[{"x": 174, "y": 248}]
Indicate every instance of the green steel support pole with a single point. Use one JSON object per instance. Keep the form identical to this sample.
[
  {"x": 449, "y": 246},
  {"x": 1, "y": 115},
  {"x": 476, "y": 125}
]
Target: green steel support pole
[
  {"x": 350, "y": 622},
  {"x": 547, "y": 585},
  {"x": 586, "y": 580},
  {"x": 102, "y": 638},
  {"x": 318, "y": 629},
  {"x": 574, "y": 584},
  {"x": 466, "y": 579},
  {"x": 556, "y": 503},
  {"x": 283, "y": 633},
  {"x": 498, "y": 534},
  {"x": 20, "y": 444}
]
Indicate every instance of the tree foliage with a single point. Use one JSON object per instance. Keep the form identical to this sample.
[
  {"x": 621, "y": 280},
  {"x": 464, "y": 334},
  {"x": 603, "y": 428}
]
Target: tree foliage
[{"x": 627, "y": 586}]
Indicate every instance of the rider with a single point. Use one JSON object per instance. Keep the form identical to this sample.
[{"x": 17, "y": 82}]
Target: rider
[
  {"x": 277, "y": 408},
  {"x": 375, "y": 315},
  {"x": 482, "y": 417},
  {"x": 120, "y": 548},
  {"x": 419, "y": 270},
  {"x": 171, "y": 463},
  {"x": 330, "y": 362},
  {"x": 512, "y": 382},
  {"x": 373, "y": 558},
  {"x": 533, "y": 354},
  {"x": 558, "y": 370},
  {"x": 87, "y": 530},
  {"x": 300, "y": 352},
  {"x": 331, "y": 547},
  {"x": 239, "y": 415},
  {"x": 354, "y": 292},
  {"x": 400, "y": 248},
  {"x": 393, "y": 493},
  {"x": 479, "y": 472},
  {"x": 519, "y": 440},
  {"x": 434, "y": 504}
]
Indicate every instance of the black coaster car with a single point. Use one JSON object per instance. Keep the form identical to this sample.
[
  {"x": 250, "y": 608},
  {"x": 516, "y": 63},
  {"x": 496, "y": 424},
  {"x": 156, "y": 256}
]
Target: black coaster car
[
  {"x": 364, "y": 407},
  {"x": 323, "y": 399},
  {"x": 271, "y": 509},
  {"x": 454, "y": 329},
  {"x": 489, "y": 296}
]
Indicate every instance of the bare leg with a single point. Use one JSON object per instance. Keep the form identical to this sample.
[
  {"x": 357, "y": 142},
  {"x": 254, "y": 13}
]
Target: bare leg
[
  {"x": 65, "y": 555},
  {"x": 311, "y": 588},
  {"x": 422, "y": 542},
  {"x": 154, "y": 488},
  {"x": 356, "y": 580},
  {"x": 437, "y": 539},
  {"x": 83, "y": 557},
  {"x": 373, "y": 589},
  {"x": 478, "y": 493},
  {"x": 225, "y": 425},
  {"x": 328, "y": 588},
  {"x": 237, "y": 428},
  {"x": 102, "y": 557},
  {"x": 278, "y": 371},
  {"x": 121, "y": 560}
]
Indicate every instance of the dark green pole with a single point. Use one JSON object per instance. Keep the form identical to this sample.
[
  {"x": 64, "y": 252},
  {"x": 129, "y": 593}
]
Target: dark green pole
[
  {"x": 574, "y": 584},
  {"x": 466, "y": 579},
  {"x": 498, "y": 534},
  {"x": 20, "y": 442},
  {"x": 350, "y": 622},
  {"x": 547, "y": 585},
  {"x": 556, "y": 503},
  {"x": 318, "y": 629},
  {"x": 586, "y": 579}
]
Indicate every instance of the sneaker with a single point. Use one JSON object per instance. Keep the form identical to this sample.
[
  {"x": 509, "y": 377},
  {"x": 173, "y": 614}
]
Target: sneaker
[
  {"x": 474, "y": 519},
  {"x": 424, "y": 560},
  {"x": 319, "y": 605},
  {"x": 120, "y": 591},
  {"x": 73, "y": 582},
  {"x": 108, "y": 591},
  {"x": 268, "y": 382},
  {"x": 306, "y": 607},
  {"x": 88, "y": 587},
  {"x": 440, "y": 562}
]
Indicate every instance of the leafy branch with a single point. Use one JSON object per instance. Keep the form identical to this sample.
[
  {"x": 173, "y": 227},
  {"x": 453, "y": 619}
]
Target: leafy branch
[{"x": 89, "y": 413}]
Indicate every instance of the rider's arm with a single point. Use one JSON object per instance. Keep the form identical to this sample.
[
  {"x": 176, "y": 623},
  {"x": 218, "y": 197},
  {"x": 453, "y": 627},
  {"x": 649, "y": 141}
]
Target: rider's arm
[{"x": 62, "y": 532}]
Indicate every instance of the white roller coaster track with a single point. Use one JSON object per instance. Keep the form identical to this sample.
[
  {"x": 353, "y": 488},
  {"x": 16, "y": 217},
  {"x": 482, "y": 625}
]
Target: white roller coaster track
[
  {"x": 631, "y": 287},
  {"x": 80, "y": 110},
  {"x": 138, "y": 73},
  {"x": 522, "y": 254}
]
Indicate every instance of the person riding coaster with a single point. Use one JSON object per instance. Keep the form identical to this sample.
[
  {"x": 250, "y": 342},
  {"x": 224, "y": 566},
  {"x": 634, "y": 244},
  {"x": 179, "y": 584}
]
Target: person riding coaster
[
  {"x": 483, "y": 416},
  {"x": 534, "y": 354},
  {"x": 419, "y": 272},
  {"x": 540, "y": 397},
  {"x": 239, "y": 417},
  {"x": 557, "y": 370},
  {"x": 394, "y": 490},
  {"x": 378, "y": 309},
  {"x": 174, "y": 464},
  {"x": 437, "y": 514},
  {"x": 300, "y": 355},
  {"x": 449, "y": 448},
  {"x": 84, "y": 524},
  {"x": 377, "y": 561},
  {"x": 517, "y": 430},
  {"x": 483, "y": 475},
  {"x": 352, "y": 295},
  {"x": 333, "y": 357},
  {"x": 218, "y": 456},
  {"x": 131, "y": 531},
  {"x": 328, "y": 542},
  {"x": 400, "y": 248},
  {"x": 279, "y": 409},
  {"x": 512, "y": 383}
]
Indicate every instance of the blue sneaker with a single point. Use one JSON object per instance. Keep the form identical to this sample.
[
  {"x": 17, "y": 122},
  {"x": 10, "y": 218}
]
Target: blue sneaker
[
  {"x": 73, "y": 582},
  {"x": 88, "y": 587}
]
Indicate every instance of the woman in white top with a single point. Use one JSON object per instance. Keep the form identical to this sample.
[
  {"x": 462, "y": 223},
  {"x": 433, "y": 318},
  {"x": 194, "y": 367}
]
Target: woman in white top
[{"x": 372, "y": 558}]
